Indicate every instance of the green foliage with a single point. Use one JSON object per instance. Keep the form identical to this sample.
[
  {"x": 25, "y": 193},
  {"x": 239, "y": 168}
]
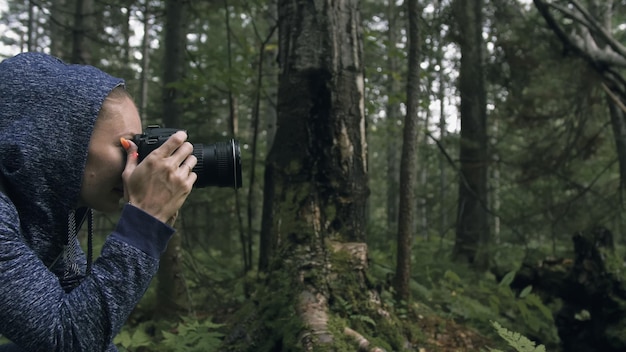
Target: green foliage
[
  {"x": 352, "y": 306},
  {"x": 454, "y": 291},
  {"x": 478, "y": 301},
  {"x": 519, "y": 342},
  {"x": 188, "y": 335},
  {"x": 132, "y": 339},
  {"x": 193, "y": 335},
  {"x": 346, "y": 309}
]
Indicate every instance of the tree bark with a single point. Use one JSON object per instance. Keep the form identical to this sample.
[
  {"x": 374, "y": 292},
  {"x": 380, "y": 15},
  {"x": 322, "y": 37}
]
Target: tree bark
[
  {"x": 408, "y": 162},
  {"x": 59, "y": 28},
  {"x": 172, "y": 296},
  {"x": 393, "y": 117},
  {"x": 317, "y": 178},
  {"x": 443, "y": 129},
  {"x": 145, "y": 63},
  {"x": 82, "y": 29},
  {"x": 472, "y": 232}
]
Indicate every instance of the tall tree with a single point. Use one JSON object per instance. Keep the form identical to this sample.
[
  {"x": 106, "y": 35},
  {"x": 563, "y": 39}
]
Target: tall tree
[
  {"x": 393, "y": 115},
  {"x": 408, "y": 162},
  {"x": 82, "y": 30},
  {"x": 472, "y": 231},
  {"x": 443, "y": 125},
  {"x": 317, "y": 177},
  {"x": 172, "y": 298},
  {"x": 145, "y": 61},
  {"x": 31, "y": 32},
  {"x": 265, "y": 238}
]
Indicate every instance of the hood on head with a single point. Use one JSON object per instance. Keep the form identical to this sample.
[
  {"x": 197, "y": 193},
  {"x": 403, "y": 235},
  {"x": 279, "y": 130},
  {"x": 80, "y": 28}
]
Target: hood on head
[{"x": 47, "y": 113}]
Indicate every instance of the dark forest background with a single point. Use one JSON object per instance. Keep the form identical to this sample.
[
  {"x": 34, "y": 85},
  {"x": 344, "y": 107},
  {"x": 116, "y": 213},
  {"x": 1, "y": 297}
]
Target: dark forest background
[{"x": 495, "y": 142}]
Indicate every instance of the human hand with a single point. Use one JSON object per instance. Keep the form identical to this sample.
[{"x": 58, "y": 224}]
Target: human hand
[{"x": 160, "y": 184}]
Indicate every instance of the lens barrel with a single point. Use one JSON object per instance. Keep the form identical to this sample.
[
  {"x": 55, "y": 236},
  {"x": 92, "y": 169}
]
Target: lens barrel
[{"x": 219, "y": 164}]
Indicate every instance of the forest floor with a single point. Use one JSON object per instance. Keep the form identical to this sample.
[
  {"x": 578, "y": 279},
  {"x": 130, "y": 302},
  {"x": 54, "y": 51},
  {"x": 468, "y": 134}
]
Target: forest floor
[{"x": 446, "y": 335}]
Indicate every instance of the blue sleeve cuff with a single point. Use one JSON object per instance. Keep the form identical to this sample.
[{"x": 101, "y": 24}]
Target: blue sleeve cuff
[{"x": 143, "y": 231}]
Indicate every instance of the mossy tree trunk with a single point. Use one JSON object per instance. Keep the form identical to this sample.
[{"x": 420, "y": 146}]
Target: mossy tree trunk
[{"x": 314, "y": 294}]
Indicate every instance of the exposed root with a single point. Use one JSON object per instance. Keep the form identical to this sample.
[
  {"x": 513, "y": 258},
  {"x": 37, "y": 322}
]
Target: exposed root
[
  {"x": 313, "y": 308},
  {"x": 364, "y": 344}
]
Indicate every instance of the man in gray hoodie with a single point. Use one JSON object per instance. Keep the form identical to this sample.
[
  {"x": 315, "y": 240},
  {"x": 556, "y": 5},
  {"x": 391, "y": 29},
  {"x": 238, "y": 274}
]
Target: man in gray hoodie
[{"x": 65, "y": 149}]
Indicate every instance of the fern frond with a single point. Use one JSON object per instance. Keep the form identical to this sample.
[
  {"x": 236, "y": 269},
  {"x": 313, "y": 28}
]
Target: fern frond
[{"x": 516, "y": 340}]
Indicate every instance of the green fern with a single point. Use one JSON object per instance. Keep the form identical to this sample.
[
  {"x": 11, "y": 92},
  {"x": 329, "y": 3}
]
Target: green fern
[
  {"x": 516, "y": 340},
  {"x": 193, "y": 335}
]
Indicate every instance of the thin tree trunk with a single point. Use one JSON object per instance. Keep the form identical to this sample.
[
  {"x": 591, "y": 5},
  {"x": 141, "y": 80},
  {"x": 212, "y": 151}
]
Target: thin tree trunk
[
  {"x": 265, "y": 236},
  {"x": 255, "y": 135},
  {"x": 82, "y": 29},
  {"x": 172, "y": 298},
  {"x": 126, "y": 31},
  {"x": 60, "y": 29},
  {"x": 30, "y": 40},
  {"x": 443, "y": 130},
  {"x": 145, "y": 63},
  {"x": 391, "y": 121},
  {"x": 408, "y": 162},
  {"x": 495, "y": 187},
  {"x": 422, "y": 203}
]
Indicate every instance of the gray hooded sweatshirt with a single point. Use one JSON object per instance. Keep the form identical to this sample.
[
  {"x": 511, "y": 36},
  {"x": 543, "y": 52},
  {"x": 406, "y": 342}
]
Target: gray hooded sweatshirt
[{"x": 48, "y": 299}]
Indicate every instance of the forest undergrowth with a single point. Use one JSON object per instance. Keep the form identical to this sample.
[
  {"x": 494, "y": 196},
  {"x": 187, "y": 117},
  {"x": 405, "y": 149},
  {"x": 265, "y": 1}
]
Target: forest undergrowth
[{"x": 453, "y": 308}]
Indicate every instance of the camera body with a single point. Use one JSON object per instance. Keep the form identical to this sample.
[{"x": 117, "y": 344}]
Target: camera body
[{"x": 219, "y": 164}]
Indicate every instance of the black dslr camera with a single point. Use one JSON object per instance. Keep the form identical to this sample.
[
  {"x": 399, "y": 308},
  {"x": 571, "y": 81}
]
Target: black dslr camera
[{"x": 218, "y": 165}]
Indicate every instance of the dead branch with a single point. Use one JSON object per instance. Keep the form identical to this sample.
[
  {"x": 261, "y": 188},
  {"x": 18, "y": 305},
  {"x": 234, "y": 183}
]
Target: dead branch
[
  {"x": 584, "y": 42},
  {"x": 614, "y": 97}
]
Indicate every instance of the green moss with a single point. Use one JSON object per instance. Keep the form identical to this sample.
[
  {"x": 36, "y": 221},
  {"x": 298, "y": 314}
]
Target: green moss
[
  {"x": 342, "y": 343},
  {"x": 352, "y": 306}
]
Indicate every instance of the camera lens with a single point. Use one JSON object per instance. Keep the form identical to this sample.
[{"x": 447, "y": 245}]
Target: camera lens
[{"x": 218, "y": 164}]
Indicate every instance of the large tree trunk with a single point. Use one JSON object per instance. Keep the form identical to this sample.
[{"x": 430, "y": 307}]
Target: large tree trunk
[
  {"x": 317, "y": 177},
  {"x": 472, "y": 232},
  {"x": 172, "y": 296}
]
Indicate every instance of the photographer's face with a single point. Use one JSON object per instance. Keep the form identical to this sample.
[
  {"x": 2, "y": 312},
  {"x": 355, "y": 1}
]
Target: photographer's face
[{"x": 102, "y": 187}]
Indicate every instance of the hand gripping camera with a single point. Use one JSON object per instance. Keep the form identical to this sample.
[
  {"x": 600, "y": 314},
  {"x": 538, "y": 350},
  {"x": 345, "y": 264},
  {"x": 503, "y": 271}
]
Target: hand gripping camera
[{"x": 218, "y": 164}]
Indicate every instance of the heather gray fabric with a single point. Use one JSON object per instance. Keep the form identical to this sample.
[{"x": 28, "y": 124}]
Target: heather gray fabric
[{"x": 47, "y": 113}]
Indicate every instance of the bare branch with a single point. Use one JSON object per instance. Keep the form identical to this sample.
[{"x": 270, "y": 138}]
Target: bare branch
[
  {"x": 601, "y": 30},
  {"x": 585, "y": 42}
]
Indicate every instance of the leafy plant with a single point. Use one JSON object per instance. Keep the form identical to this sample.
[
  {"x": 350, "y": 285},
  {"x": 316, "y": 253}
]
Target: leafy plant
[
  {"x": 516, "y": 340},
  {"x": 345, "y": 309},
  {"x": 131, "y": 339},
  {"x": 193, "y": 335}
]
